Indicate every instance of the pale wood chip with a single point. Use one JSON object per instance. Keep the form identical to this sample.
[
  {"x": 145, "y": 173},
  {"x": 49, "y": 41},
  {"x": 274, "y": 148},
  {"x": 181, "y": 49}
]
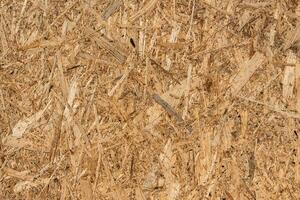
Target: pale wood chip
[
  {"x": 246, "y": 71},
  {"x": 171, "y": 111},
  {"x": 149, "y": 5},
  {"x": 25, "y": 124},
  {"x": 113, "y": 6},
  {"x": 167, "y": 107},
  {"x": 111, "y": 47},
  {"x": 3, "y": 37},
  {"x": 292, "y": 37},
  {"x": 120, "y": 81},
  {"x": 167, "y": 161},
  {"x": 187, "y": 91},
  {"x": 297, "y": 78},
  {"x": 288, "y": 81}
]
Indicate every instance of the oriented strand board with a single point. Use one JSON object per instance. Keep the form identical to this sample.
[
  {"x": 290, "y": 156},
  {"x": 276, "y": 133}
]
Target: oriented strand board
[{"x": 171, "y": 100}]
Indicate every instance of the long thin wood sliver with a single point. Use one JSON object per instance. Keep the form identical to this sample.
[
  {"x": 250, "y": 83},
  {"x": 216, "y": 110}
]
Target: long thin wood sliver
[
  {"x": 215, "y": 8},
  {"x": 292, "y": 37},
  {"x": 3, "y": 39},
  {"x": 111, "y": 9},
  {"x": 201, "y": 53},
  {"x": 163, "y": 70},
  {"x": 104, "y": 43},
  {"x": 288, "y": 81},
  {"x": 187, "y": 90},
  {"x": 120, "y": 81},
  {"x": 171, "y": 111},
  {"x": 148, "y": 7},
  {"x": 297, "y": 77},
  {"x": 272, "y": 108},
  {"x": 167, "y": 107}
]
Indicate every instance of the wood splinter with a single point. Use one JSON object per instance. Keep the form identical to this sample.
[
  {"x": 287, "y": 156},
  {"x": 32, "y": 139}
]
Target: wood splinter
[
  {"x": 113, "y": 7},
  {"x": 171, "y": 111}
]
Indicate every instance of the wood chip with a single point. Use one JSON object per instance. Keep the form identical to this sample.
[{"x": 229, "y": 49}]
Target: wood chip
[
  {"x": 167, "y": 107},
  {"x": 113, "y": 6},
  {"x": 119, "y": 82},
  {"x": 292, "y": 37},
  {"x": 171, "y": 111},
  {"x": 246, "y": 71},
  {"x": 25, "y": 124},
  {"x": 173, "y": 186},
  {"x": 149, "y": 5},
  {"x": 288, "y": 81},
  {"x": 3, "y": 36},
  {"x": 111, "y": 47},
  {"x": 187, "y": 91},
  {"x": 297, "y": 78}
]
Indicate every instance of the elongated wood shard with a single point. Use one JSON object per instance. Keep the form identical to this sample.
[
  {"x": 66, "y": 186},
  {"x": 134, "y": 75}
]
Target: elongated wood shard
[
  {"x": 111, "y": 47},
  {"x": 297, "y": 77},
  {"x": 288, "y": 81},
  {"x": 3, "y": 39},
  {"x": 292, "y": 37},
  {"x": 171, "y": 111},
  {"x": 111, "y": 9},
  {"x": 178, "y": 90},
  {"x": 167, "y": 107},
  {"x": 147, "y": 7},
  {"x": 23, "y": 125},
  {"x": 246, "y": 71}
]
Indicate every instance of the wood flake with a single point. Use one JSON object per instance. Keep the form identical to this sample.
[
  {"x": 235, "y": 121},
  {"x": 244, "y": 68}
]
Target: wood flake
[
  {"x": 246, "y": 71},
  {"x": 25, "y": 124},
  {"x": 187, "y": 91},
  {"x": 297, "y": 78},
  {"x": 292, "y": 37},
  {"x": 104, "y": 43},
  {"x": 289, "y": 78},
  {"x": 120, "y": 81},
  {"x": 170, "y": 110},
  {"x": 155, "y": 111},
  {"x": 113, "y": 6},
  {"x": 149, "y": 5},
  {"x": 3, "y": 37},
  {"x": 173, "y": 186}
]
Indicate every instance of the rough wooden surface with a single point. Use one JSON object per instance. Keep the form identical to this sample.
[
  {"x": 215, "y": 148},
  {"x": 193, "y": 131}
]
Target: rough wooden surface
[{"x": 78, "y": 119}]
